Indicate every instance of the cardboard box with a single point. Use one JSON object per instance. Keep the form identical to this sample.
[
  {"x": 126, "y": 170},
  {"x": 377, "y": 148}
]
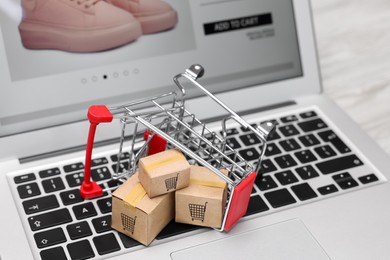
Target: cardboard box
[
  {"x": 203, "y": 202},
  {"x": 164, "y": 172},
  {"x": 138, "y": 216}
]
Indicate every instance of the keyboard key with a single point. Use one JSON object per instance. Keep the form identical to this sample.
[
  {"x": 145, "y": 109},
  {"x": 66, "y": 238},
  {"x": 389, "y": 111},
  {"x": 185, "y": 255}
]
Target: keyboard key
[
  {"x": 345, "y": 180},
  {"x": 274, "y": 136},
  {"x": 330, "y": 136},
  {"x": 272, "y": 149},
  {"x": 40, "y": 204},
  {"x": 328, "y": 189},
  {"x": 303, "y": 191},
  {"x": 256, "y": 205},
  {"x": 74, "y": 167},
  {"x": 99, "y": 161},
  {"x": 288, "y": 130},
  {"x": 265, "y": 182},
  {"x": 286, "y": 177},
  {"x": 325, "y": 151},
  {"x": 339, "y": 164},
  {"x": 80, "y": 250},
  {"x": 231, "y": 131},
  {"x": 249, "y": 154},
  {"x": 100, "y": 174},
  {"x": 105, "y": 205},
  {"x": 233, "y": 143},
  {"x": 56, "y": 253},
  {"x": 173, "y": 229},
  {"x": 24, "y": 178},
  {"x": 106, "y": 244},
  {"x": 267, "y": 166},
  {"x": 79, "y": 230},
  {"x": 75, "y": 179},
  {"x": 307, "y": 172},
  {"x": 128, "y": 242},
  {"x": 279, "y": 198},
  {"x": 49, "y": 219},
  {"x": 49, "y": 173},
  {"x": 308, "y": 114},
  {"x": 71, "y": 197},
  {"x": 124, "y": 156},
  {"x": 243, "y": 129},
  {"x": 249, "y": 139},
  {"x": 84, "y": 210},
  {"x": 102, "y": 224},
  {"x": 52, "y": 185},
  {"x": 123, "y": 166},
  {"x": 309, "y": 140},
  {"x": 285, "y": 161},
  {"x": 28, "y": 190},
  {"x": 368, "y": 178},
  {"x": 287, "y": 119},
  {"x": 305, "y": 156},
  {"x": 49, "y": 237},
  {"x": 289, "y": 145},
  {"x": 311, "y": 125}
]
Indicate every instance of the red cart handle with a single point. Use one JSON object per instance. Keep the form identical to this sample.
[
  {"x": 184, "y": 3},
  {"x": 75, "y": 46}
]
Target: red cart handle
[{"x": 96, "y": 115}]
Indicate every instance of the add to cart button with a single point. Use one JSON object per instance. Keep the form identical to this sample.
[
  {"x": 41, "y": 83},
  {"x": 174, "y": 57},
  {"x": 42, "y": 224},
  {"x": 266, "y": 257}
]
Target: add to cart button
[{"x": 237, "y": 23}]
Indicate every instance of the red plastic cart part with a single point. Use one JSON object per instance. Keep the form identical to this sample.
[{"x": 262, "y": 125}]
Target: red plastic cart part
[
  {"x": 239, "y": 201},
  {"x": 156, "y": 145},
  {"x": 96, "y": 114}
]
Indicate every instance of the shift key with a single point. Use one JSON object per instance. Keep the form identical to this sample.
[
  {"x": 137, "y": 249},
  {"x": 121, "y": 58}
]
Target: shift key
[
  {"x": 49, "y": 219},
  {"x": 339, "y": 164}
]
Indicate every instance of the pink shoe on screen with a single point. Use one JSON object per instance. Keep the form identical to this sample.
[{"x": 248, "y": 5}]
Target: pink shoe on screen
[
  {"x": 154, "y": 15},
  {"x": 76, "y": 25}
]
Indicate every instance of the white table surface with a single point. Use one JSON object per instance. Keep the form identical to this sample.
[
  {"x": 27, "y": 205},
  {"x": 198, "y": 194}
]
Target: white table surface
[{"x": 353, "y": 39}]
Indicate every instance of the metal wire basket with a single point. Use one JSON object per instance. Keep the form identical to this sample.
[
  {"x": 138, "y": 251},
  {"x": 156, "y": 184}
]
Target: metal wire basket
[{"x": 163, "y": 122}]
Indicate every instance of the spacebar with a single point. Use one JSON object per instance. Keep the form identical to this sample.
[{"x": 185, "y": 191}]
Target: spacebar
[{"x": 339, "y": 164}]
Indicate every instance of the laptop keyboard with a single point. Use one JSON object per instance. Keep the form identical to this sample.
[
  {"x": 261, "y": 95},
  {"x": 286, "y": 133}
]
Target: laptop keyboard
[{"x": 305, "y": 161}]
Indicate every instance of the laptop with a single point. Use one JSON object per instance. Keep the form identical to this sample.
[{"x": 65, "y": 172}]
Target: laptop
[{"x": 322, "y": 192}]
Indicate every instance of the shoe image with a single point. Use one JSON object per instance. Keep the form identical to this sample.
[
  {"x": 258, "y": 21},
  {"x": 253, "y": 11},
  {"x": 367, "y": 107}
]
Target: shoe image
[
  {"x": 76, "y": 25},
  {"x": 154, "y": 15}
]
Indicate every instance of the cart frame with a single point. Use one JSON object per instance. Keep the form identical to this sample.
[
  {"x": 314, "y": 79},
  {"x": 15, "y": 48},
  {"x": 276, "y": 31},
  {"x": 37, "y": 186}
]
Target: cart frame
[{"x": 166, "y": 123}]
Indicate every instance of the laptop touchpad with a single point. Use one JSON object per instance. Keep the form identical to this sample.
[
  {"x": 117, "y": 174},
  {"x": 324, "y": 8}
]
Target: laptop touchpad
[{"x": 286, "y": 240}]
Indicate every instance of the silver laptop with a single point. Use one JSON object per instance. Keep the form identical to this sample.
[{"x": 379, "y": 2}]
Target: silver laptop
[{"x": 323, "y": 192}]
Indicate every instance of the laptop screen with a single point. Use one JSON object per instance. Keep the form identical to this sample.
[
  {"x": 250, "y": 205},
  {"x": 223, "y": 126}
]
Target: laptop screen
[{"x": 57, "y": 57}]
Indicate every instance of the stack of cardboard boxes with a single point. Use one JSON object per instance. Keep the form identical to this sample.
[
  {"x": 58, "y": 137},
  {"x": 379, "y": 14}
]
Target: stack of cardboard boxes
[{"x": 167, "y": 187}]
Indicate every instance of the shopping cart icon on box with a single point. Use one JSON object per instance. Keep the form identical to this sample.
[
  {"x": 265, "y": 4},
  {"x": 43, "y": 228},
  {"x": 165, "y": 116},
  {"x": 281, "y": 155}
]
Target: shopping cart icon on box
[
  {"x": 170, "y": 183},
  {"x": 128, "y": 223},
  {"x": 163, "y": 122},
  {"x": 197, "y": 211}
]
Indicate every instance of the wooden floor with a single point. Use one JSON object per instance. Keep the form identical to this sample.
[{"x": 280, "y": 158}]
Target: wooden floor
[{"x": 353, "y": 38}]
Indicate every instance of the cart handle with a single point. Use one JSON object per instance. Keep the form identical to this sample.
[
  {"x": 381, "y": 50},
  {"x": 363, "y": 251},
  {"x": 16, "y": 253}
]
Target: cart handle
[
  {"x": 197, "y": 71},
  {"x": 96, "y": 115}
]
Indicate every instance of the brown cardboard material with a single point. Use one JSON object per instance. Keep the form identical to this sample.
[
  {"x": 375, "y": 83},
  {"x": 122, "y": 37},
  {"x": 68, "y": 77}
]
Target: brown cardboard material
[
  {"x": 138, "y": 216},
  {"x": 203, "y": 202},
  {"x": 164, "y": 172}
]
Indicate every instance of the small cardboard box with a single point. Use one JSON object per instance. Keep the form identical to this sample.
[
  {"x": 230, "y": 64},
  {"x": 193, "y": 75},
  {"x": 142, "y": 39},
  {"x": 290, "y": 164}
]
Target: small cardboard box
[
  {"x": 164, "y": 172},
  {"x": 203, "y": 202},
  {"x": 138, "y": 216}
]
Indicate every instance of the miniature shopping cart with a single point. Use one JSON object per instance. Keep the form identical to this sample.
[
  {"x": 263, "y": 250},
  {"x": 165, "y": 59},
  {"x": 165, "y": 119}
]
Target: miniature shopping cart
[
  {"x": 197, "y": 211},
  {"x": 163, "y": 122},
  {"x": 170, "y": 183},
  {"x": 128, "y": 223}
]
